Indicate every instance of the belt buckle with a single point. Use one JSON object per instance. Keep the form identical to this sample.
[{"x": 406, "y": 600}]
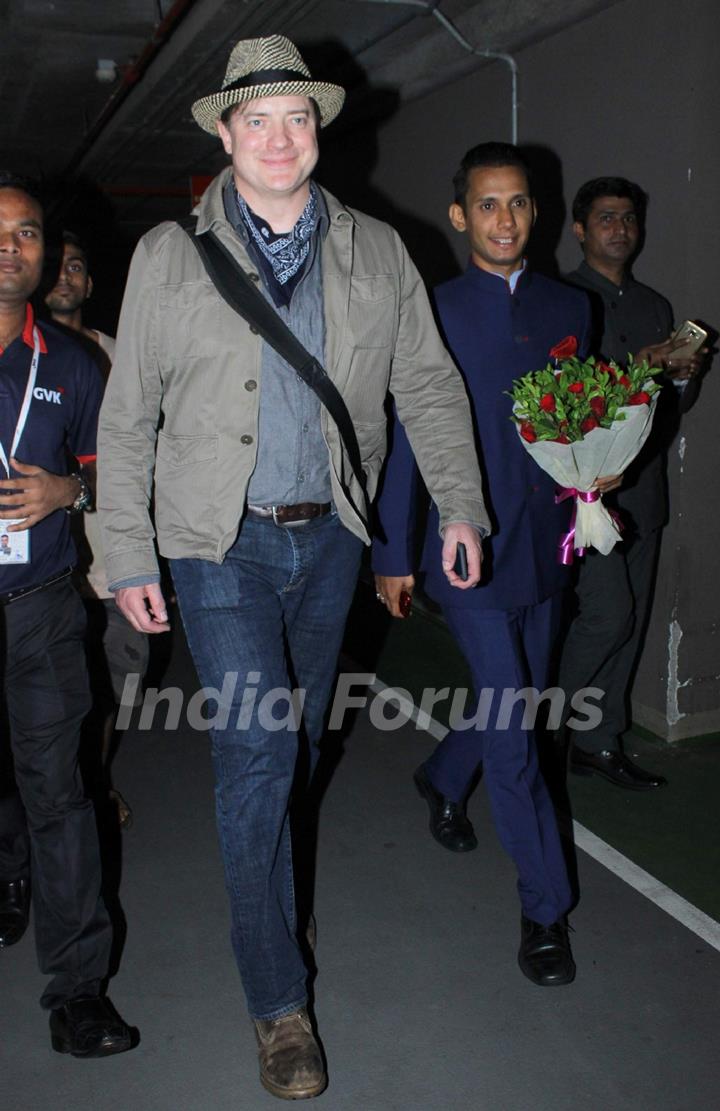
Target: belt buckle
[{"x": 287, "y": 524}]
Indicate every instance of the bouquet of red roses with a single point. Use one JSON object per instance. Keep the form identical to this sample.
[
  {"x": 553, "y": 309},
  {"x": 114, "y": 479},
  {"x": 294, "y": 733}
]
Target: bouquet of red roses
[{"x": 581, "y": 420}]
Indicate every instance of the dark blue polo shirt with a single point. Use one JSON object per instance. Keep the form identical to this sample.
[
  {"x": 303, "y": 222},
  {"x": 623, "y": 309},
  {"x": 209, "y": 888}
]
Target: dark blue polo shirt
[{"x": 61, "y": 424}]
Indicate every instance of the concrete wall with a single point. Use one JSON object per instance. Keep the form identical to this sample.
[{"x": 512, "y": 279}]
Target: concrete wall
[{"x": 632, "y": 91}]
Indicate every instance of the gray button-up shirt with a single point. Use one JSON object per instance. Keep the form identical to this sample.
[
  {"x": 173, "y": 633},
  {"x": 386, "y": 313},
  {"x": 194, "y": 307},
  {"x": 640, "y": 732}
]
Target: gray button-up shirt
[{"x": 292, "y": 457}]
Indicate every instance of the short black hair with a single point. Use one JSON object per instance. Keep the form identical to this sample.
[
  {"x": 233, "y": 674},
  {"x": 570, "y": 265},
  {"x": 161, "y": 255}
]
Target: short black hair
[
  {"x": 72, "y": 239},
  {"x": 483, "y": 155},
  {"x": 608, "y": 187},
  {"x": 11, "y": 180}
]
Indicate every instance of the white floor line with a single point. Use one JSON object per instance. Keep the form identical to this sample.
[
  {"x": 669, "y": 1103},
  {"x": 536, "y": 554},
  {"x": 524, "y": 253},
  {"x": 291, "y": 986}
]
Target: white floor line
[
  {"x": 673, "y": 904},
  {"x": 664, "y": 897}
]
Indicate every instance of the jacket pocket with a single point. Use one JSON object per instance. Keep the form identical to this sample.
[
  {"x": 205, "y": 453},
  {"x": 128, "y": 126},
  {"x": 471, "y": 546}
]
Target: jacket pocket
[
  {"x": 191, "y": 315},
  {"x": 179, "y": 451},
  {"x": 372, "y": 315},
  {"x": 185, "y": 484}
]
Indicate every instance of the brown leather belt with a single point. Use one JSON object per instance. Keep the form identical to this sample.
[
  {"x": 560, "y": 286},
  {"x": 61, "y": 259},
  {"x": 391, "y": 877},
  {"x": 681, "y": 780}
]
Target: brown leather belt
[{"x": 291, "y": 514}]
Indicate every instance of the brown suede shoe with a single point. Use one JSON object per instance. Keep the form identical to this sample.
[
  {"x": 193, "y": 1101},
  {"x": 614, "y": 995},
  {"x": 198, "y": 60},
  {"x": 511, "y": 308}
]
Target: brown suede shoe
[{"x": 291, "y": 1064}]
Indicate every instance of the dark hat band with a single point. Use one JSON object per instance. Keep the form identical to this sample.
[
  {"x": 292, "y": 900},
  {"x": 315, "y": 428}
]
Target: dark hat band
[{"x": 266, "y": 77}]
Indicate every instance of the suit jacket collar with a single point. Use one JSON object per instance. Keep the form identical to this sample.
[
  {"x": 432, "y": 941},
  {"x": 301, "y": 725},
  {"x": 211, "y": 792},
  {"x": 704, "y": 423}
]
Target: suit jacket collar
[{"x": 495, "y": 283}]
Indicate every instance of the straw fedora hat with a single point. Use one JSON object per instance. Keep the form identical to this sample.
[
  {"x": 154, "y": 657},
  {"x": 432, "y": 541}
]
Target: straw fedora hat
[{"x": 269, "y": 66}]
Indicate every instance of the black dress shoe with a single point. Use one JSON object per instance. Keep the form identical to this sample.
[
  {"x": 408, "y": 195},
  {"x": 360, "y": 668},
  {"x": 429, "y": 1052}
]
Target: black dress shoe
[
  {"x": 449, "y": 824},
  {"x": 14, "y": 911},
  {"x": 90, "y": 1027},
  {"x": 615, "y": 767},
  {"x": 545, "y": 955}
]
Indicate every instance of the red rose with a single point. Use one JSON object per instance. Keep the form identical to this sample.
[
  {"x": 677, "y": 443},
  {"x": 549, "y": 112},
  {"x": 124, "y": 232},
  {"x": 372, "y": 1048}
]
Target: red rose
[
  {"x": 607, "y": 368},
  {"x": 564, "y": 349},
  {"x": 547, "y": 403},
  {"x": 640, "y": 398},
  {"x": 561, "y": 439},
  {"x": 597, "y": 404},
  {"x": 576, "y": 387},
  {"x": 623, "y": 380},
  {"x": 528, "y": 432},
  {"x": 589, "y": 423}
]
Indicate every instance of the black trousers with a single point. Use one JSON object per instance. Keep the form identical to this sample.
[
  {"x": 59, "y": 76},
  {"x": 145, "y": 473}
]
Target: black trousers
[
  {"x": 49, "y": 831},
  {"x": 605, "y": 639}
]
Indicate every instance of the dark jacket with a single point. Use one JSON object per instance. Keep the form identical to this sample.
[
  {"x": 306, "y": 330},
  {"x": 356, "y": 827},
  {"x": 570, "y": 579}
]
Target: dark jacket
[
  {"x": 494, "y": 337},
  {"x": 625, "y": 319}
]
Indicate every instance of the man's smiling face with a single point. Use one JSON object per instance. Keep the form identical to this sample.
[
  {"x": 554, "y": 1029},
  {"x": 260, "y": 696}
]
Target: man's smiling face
[{"x": 498, "y": 216}]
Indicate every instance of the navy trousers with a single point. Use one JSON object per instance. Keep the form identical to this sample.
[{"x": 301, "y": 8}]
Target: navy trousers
[{"x": 509, "y": 651}]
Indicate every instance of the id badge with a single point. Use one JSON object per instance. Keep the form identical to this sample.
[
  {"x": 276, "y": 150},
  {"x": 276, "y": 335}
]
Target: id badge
[{"x": 14, "y": 546}]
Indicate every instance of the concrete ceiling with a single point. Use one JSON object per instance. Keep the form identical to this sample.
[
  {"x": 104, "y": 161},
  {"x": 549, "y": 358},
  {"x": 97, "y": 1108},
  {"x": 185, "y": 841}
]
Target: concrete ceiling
[{"x": 57, "y": 121}]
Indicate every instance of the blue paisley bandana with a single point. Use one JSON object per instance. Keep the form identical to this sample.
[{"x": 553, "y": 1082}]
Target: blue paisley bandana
[{"x": 287, "y": 252}]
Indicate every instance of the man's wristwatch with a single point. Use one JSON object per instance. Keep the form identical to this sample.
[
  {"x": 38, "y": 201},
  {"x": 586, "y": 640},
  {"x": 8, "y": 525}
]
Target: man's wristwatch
[{"x": 84, "y": 499}]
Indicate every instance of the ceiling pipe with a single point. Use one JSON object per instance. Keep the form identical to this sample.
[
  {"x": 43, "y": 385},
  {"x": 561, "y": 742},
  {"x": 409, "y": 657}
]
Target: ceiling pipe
[
  {"x": 432, "y": 7},
  {"x": 130, "y": 77}
]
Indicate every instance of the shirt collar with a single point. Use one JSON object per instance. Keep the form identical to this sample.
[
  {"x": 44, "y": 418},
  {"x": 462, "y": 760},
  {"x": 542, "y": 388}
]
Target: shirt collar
[
  {"x": 589, "y": 274},
  {"x": 27, "y": 332},
  {"x": 514, "y": 278}
]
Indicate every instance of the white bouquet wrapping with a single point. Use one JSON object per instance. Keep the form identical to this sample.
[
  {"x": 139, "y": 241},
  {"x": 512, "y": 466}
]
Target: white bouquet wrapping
[
  {"x": 576, "y": 467},
  {"x": 581, "y": 420}
]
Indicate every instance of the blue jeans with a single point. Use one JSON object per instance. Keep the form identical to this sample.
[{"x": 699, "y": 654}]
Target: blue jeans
[{"x": 273, "y": 612}]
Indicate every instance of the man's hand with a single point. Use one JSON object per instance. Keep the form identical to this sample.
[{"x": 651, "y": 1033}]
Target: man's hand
[
  {"x": 656, "y": 354},
  {"x": 144, "y": 607},
  {"x": 388, "y": 589},
  {"x": 34, "y": 495},
  {"x": 608, "y": 482},
  {"x": 680, "y": 370},
  {"x": 661, "y": 354},
  {"x": 467, "y": 535}
]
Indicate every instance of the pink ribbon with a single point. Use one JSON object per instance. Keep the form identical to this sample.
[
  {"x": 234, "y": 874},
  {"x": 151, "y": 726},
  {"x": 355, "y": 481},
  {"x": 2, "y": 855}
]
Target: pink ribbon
[{"x": 566, "y": 543}]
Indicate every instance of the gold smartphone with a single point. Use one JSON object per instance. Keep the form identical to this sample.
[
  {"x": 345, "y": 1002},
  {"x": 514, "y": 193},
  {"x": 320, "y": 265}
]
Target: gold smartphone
[{"x": 689, "y": 337}]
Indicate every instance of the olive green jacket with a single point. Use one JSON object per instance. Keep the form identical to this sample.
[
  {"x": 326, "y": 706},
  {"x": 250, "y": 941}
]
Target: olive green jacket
[{"x": 179, "y": 422}]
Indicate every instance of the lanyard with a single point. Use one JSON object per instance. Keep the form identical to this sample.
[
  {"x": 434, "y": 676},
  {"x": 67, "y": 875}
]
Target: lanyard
[{"x": 25, "y": 407}]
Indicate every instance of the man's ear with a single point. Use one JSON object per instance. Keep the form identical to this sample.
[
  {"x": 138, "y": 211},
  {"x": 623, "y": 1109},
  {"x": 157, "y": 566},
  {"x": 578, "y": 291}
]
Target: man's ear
[
  {"x": 457, "y": 217},
  {"x": 224, "y": 134},
  {"x": 534, "y": 208},
  {"x": 578, "y": 231},
  {"x": 89, "y": 287}
]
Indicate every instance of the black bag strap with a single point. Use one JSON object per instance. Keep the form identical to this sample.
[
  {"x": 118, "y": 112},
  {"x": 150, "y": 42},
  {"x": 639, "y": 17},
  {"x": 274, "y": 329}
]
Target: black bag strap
[{"x": 242, "y": 295}]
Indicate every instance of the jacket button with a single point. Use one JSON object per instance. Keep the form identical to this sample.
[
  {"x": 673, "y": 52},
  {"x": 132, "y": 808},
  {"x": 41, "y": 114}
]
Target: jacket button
[
  {"x": 254, "y": 277},
  {"x": 254, "y": 330},
  {"x": 246, "y": 439},
  {"x": 251, "y": 384}
]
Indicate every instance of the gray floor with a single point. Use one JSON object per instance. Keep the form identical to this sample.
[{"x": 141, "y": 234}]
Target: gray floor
[{"x": 420, "y": 1001}]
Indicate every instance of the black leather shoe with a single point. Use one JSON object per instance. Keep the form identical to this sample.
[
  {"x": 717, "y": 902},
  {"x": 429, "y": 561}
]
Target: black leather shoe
[
  {"x": 449, "y": 824},
  {"x": 14, "y": 911},
  {"x": 90, "y": 1027},
  {"x": 615, "y": 767},
  {"x": 545, "y": 955}
]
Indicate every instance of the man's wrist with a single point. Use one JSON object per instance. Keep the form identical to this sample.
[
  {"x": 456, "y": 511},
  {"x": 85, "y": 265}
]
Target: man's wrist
[{"x": 80, "y": 497}]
